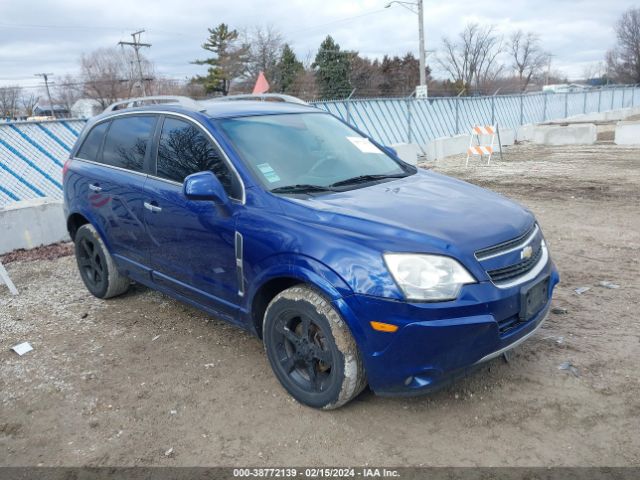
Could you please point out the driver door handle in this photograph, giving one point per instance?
(94, 187)
(152, 208)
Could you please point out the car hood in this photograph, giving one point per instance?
(453, 214)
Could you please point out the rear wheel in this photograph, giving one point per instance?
(97, 269)
(311, 349)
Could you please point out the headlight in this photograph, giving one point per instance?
(427, 277)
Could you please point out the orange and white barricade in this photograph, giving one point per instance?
(477, 133)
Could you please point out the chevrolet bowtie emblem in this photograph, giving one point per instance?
(526, 252)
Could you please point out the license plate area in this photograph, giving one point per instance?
(533, 298)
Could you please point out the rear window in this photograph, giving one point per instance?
(91, 145)
(127, 142)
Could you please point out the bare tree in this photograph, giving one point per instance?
(527, 56)
(473, 60)
(109, 74)
(623, 61)
(9, 100)
(67, 91)
(28, 103)
(595, 70)
(265, 47)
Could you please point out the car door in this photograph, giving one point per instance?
(193, 251)
(115, 186)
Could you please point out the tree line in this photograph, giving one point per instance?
(476, 61)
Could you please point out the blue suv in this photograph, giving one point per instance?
(353, 267)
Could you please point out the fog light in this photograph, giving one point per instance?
(383, 327)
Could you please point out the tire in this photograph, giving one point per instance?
(311, 350)
(97, 269)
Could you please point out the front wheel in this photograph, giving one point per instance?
(97, 268)
(311, 349)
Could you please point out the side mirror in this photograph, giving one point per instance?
(204, 186)
(391, 151)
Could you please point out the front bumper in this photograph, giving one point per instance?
(438, 342)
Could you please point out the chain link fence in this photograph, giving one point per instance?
(32, 153)
(413, 120)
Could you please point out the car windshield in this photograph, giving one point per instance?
(309, 153)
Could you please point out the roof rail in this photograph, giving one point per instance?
(156, 100)
(260, 97)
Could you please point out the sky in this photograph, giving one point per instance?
(49, 36)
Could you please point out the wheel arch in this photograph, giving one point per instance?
(78, 218)
(285, 271)
(74, 222)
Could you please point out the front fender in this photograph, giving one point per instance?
(300, 267)
(312, 272)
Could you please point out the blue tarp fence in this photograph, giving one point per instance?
(32, 153)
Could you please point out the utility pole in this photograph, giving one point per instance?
(423, 74)
(136, 47)
(46, 76)
(421, 91)
(546, 81)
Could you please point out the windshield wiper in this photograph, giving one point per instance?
(301, 188)
(364, 179)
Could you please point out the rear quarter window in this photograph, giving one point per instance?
(127, 142)
(91, 145)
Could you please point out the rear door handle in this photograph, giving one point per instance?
(94, 187)
(153, 208)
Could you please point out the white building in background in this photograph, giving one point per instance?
(86, 108)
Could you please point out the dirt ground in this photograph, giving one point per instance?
(121, 382)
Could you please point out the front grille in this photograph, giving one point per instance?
(505, 246)
(516, 270)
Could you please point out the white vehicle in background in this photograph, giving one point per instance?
(564, 88)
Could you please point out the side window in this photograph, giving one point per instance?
(91, 145)
(127, 141)
(184, 149)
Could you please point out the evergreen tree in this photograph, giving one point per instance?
(288, 69)
(332, 70)
(228, 63)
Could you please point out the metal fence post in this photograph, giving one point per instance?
(566, 105)
(599, 99)
(584, 103)
(493, 109)
(348, 105)
(409, 119)
(613, 96)
(624, 90)
(544, 108)
(633, 96)
(521, 109)
(457, 114)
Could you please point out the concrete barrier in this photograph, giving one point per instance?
(524, 133)
(608, 116)
(31, 223)
(627, 133)
(574, 134)
(447, 146)
(408, 152)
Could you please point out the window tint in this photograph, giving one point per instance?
(184, 149)
(91, 145)
(127, 141)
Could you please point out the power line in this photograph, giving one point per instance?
(313, 27)
(136, 47)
